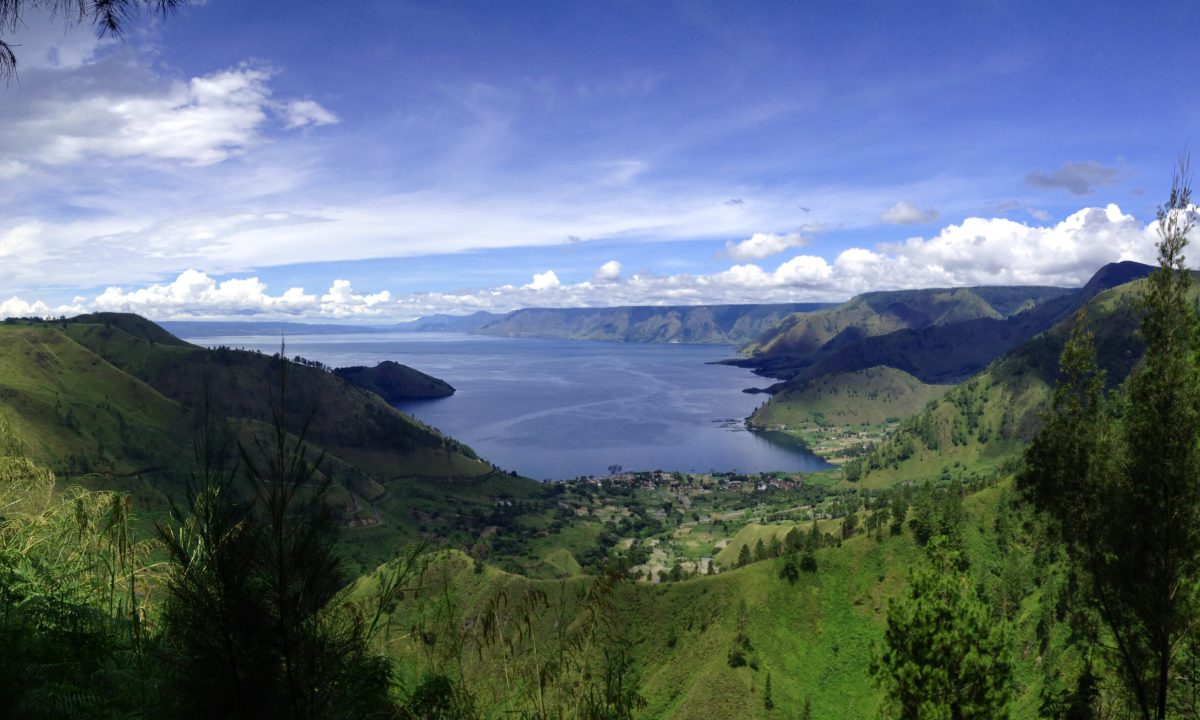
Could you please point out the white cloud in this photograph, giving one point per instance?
(106, 110)
(305, 113)
(607, 273)
(201, 122)
(195, 293)
(21, 240)
(44, 39)
(12, 169)
(761, 245)
(16, 307)
(543, 281)
(341, 301)
(906, 213)
(977, 251)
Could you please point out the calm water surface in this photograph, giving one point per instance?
(565, 408)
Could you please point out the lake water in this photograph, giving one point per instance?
(553, 409)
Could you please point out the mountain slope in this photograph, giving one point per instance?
(988, 420)
(111, 402)
(880, 313)
(944, 351)
(712, 324)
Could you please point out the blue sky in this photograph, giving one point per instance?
(298, 159)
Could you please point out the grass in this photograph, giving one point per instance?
(815, 637)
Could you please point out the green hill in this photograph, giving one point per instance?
(115, 402)
(989, 419)
(870, 372)
(872, 396)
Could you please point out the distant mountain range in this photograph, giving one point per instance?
(709, 324)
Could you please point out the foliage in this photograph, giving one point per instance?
(109, 17)
(255, 621)
(1119, 477)
(73, 585)
(943, 655)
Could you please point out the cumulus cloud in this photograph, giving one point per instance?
(195, 293)
(1078, 178)
(761, 245)
(977, 251)
(905, 213)
(341, 301)
(607, 273)
(16, 307)
(543, 281)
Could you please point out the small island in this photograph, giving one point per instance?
(395, 382)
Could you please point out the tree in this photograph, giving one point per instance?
(943, 655)
(790, 570)
(254, 616)
(849, 525)
(108, 17)
(743, 556)
(1119, 478)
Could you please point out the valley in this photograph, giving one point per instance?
(677, 591)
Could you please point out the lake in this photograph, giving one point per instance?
(556, 409)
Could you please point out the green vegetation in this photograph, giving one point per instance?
(1119, 480)
(189, 532)
(943, 654)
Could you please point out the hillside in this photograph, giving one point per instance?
(115, 399)
(712, 324)
(870, 396)
(704, 647)
(990, 418)
(880, 313)
(938, 336)
(944, 350)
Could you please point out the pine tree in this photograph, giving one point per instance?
(943, 654)
(1123, 492)
(743, 558)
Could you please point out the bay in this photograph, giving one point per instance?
(556, 409)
